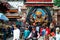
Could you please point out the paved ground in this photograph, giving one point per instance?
(12, 38)
(21, 39)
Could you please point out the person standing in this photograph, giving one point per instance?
(57, 33)
(30, 27)
(16, 33)
(34, 34)
(37, 28)
(4, 29)
(42, 33)
(52, 27)
(47, 31)
(26, 33)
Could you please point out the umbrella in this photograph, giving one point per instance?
(3, 17)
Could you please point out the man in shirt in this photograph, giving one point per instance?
(16, 33)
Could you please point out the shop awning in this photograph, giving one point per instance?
(3, 17)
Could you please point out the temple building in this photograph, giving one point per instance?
(42, 7)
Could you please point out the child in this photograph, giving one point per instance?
(26, 33)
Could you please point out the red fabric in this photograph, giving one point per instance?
(53, 34)
(48, 31)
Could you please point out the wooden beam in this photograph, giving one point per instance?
(13, 17)
(38, 2)
(35, 4)
(13, 10)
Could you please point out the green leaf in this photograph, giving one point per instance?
(57, 3)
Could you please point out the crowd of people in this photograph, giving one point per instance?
(35, 32)
(37, 29)
(31, 31)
